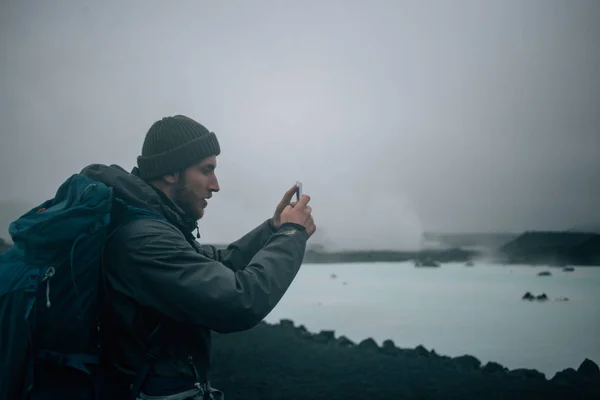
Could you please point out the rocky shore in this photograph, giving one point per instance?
(283, 361)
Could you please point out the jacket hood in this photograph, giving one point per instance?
(134, 191)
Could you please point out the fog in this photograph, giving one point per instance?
(399, 116)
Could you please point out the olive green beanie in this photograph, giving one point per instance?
(173, 144)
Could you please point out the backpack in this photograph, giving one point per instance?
(50, 293)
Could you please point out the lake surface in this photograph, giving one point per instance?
(455, 310)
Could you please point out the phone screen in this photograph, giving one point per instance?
(298, 190)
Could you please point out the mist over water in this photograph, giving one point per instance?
(376, 222)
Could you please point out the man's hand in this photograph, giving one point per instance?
(285, 201)
(301, 214)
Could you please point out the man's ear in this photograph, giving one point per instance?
(171, 179)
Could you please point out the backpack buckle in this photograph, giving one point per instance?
(205, 391)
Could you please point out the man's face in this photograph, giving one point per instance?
(196, 184)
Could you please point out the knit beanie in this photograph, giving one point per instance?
(173, 144)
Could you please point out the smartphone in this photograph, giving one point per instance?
(298, 190)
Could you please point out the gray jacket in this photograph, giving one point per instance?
(155, 271)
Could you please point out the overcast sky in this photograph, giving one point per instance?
(398, 116)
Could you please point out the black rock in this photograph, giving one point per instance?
(343, 341)
(528, 296)
(286, 323)
(320, 337)
(493, 367)
(388, 347)
(303, 332)
(526, 373)
(566, 376)
(329, 335)
(368, 344)
(268, 363)
(467, 362)
(421, 351)
(589, 369)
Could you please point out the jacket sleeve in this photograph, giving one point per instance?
(157, 267)
(239, 253)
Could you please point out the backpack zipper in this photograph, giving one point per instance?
(49, 274)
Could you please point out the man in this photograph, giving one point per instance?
(158, 275)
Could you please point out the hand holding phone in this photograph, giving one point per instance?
(301, 212)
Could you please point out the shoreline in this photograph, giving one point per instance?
(282, 360)
(431, 256)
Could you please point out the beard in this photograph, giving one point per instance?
(189, 200)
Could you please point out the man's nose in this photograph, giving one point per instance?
(214, 187)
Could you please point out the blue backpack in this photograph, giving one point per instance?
(50, 296)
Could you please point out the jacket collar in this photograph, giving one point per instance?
(173, 212)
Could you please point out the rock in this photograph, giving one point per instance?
(568, 269)
(526, 373)
(303, 332)
(286, 323)
(589, 369)
(268, 362)
(329, 335)
(493, 367)
(388, 347)
(388, 344)
(528, 296)
(562, 299)
(368, 344)
(467, 362)
(324, 337)
(566, 376)
(421, 351)
(545, 273)
(333, 276)
(343, 341)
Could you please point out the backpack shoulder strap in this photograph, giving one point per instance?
(154, 340)
(124, 214)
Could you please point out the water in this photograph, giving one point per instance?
(455, 310)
